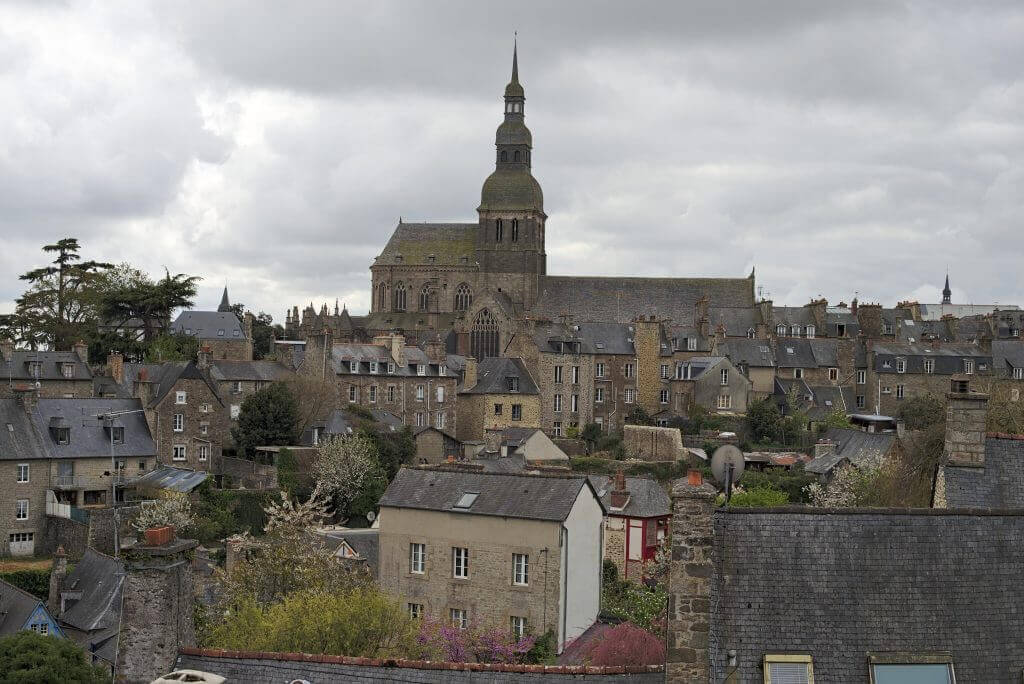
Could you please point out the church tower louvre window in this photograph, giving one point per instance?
(400, 297)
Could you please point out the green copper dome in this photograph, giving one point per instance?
(511, 190)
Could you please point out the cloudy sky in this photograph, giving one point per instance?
(838, 147)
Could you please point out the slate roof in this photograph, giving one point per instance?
(607, 338)
(699, 365)
(1007, 355)
(18, 368)
(99, 577)
(271, 668)
(826, 399)
(736, 320)
(855, 446)
(838, 584)
(491, 375)
(365, 542)
(265, 371)
(750, 353)
(16, 607)
(948, 357)
(20, 439)
(999, 484)
(533, 497)
(936, 311)
(795, 353)
(620, 300)
(414, 242)
(88, 436)
(647, 498)
(209, 325)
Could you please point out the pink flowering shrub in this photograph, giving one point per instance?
(442, 641)
(627, 644)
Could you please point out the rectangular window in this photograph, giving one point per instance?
(236, 410)
(968, 366)
(353, 367)
(798, 373)
(421, 392)
(512, 384)
(520, 569)
(391, 369)
(899, 391)
(22, 472)
(373, 394)
(558, 374)
(21, 510)
(1018, 373)
(67, 370)
(353, 393)
(929, 365)
(860, 401)
(419, 419)
(439, 420)
(179, 422)
(442, 370)
(459, 618)
(204, 428)
(391, 393)
(833, 374)
(724, 401)
(725, 376)
(599, 395)
(180, 397)
(117, 435)
(440, 394)
(574, 403)
(421, 369)
(862, 377)
(629, 370)
(204, 452)
(518, 625)
(663, 396)
(664, 371)
(556, 427)
(417, 558)
(178, 452)
(691, 344)
(517, 411)
(374, 367)
(498, 409)
(236, 387)
(206, 408)
(788, 669)
(460, 562)
(901, 365)
(558, 403)
(575, 375)
(897, 668)
(415, 610)
(599, 370)
(629, 396)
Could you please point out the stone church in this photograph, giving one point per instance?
(476, 283)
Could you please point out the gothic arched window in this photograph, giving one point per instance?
(499, 230)
(400, 297)
(483, 338)
(463, 297)
(515, 230)
(382, 297)
(425, 298)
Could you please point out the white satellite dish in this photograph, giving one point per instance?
(371, 516)
(727, 467)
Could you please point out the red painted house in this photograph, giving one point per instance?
(637, 522)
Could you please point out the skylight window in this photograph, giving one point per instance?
(466, 500)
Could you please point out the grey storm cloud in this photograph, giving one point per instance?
(838, 147)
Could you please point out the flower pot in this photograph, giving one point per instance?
(158, 536)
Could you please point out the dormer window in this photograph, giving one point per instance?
(398, 258)
(236, 333)
(35, 368)
(220, 332)
(901, 365)
(431, 259)
(780, 331)
(809, 330)
(421, 369)
(67, 370)
(353, 367)
(441, 370)
(750, 333)
(373, 367)
(512, 383)
(117, 436)
(62, 435)
(391, 369)
(794, 331)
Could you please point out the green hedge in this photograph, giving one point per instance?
(221, 513)
(35, 582)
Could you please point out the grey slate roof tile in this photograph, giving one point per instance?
(492, 373)
(50, 366)
(647, 498)
(209, 325)
(999, 484)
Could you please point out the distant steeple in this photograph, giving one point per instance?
(946, 292)
(225, 305)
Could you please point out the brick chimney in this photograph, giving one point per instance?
(620, 495)
(6, 350)
(82, 350)
(767, 314)
(115, 366)
(57, 574)
(690, 576)
(965, 424)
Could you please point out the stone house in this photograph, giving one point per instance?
(534, 446)
(839, 447)
(435, 446)
(497, 394)
(520, 552)
(896, 371)
(636, 523)
(57, 456)
(20, 610)
(417, 385)
(59, 373)
(220, 330)
(712, 382)
(236, 380)
(755, 359)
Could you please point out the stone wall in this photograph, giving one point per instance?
(249, 474)
(71, 534)
(652, 443)
(965, 428)
(101, 527)
(200, 427)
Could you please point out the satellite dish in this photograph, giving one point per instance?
(727, 467)
(371, 516)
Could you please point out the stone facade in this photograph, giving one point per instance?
(652, 443)
(965, 427)
(479, 414)
(157, 612)
(204, 423)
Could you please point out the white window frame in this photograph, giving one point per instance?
(374, 367)
(417, 558)
(391, 369)
(798, 373)
(1018, 373)
(968, 367)
(459, 617)
(901, 391)
(862, 377)
(691, 344)
(460, 562)
(724, 373)
(521, 569)
(599, 395)
(26, 467)
(810, 331)
(439, 422)
(236, 410)
(421, 392)
(419, 419)
(518, 626)
(901, 365)
(724, 401)
(629, 370)
(415, 610)
(629, 395)
(556, 427)
(373, 394)
(181, 398)
(574, 403)
(664, 371)
(774, 658)
(575, 375)
(204, 452)
(833, 374)
(179, 422)
(663, 396)
(175, 449)
(21, 508)
(353, 394)
(421, 369)
(557, 379)
(557, 403)
(929, 365)
(599, 369)
(439, 394)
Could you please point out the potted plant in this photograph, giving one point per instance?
(159, 520)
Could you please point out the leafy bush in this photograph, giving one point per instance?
(221, 513)
(627, 644)
(761, 497)
(792, 481)
(662, 471)
(172, 508)
(30, 658)
(441, 640)
(35, 582)
(631, 602)
(543, 651)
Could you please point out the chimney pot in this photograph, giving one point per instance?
(694, 478)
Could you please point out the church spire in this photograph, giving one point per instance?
(225, 305)
(947, 294)
(515, 60)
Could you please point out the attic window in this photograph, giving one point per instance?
(62, 435)
(789, 350)
(117, 435)
(788, 669)
(512, 383)
(889, 668)
(236, 333)
(466, 500)
(220, 332)
(599, 345)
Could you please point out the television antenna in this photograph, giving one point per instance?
(727, 467)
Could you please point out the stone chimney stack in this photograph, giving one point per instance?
(690, 575)
(434, 350)
(6, 350)
(248, 320)
(27, 397)
(203, 357)
(869, 319)
(115, 366)
(965, 424)
(620, 495)
(767, 314)
(853, 306)
(157, 613)
(318, 354)
(824, 447)
(469, 374)
(57, 575)
(82, 350)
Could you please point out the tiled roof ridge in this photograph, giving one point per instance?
(443, 468)
(1005, 435)
(811, 510)
(419, 664)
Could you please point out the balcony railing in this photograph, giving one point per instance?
(90, 481)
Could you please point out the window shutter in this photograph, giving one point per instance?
(788, 673)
